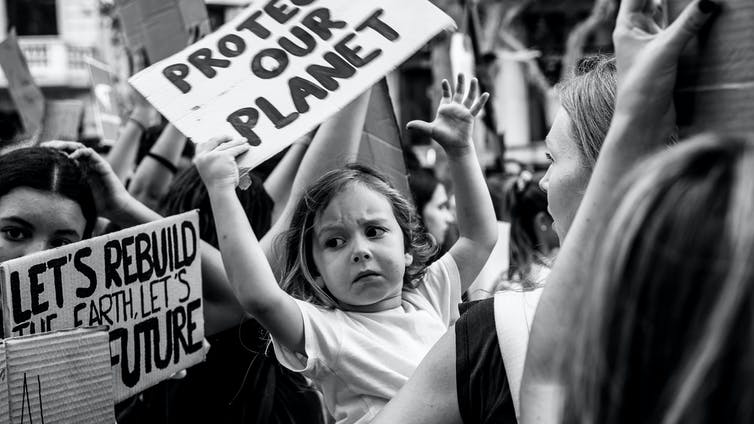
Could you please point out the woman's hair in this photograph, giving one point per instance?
(187, 192)
(525, 201)
(588, 98)
(299, 270)
(665, 329)
(49, 170)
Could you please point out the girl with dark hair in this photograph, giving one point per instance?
(432, 204)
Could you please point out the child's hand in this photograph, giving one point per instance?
(216, 162)
(455, 116)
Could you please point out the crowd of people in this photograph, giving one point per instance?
(614, 287)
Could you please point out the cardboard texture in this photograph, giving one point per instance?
(162, 27)
(143, 282)
(276, 71)
(4, 405)
(381, 144)
(715, 87)
(62, 120)
(107, 114)
(23, 90)
(60, 377)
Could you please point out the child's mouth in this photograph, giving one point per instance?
(365, 274)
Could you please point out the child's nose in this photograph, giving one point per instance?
(360, 251)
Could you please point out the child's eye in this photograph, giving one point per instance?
(334, 242)
(375, 232)
(14, 233)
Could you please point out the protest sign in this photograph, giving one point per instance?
(282, 67)
(62, 120)
(143, 282)
(106, 110)
(60, 377)
(715, 84)
(381, 139)
(4, 405)
(162, 27)
(25, 93)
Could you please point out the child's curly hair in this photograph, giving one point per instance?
(299, 271)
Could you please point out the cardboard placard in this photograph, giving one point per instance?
(106, 109)
(60, 377)
(715, 85)
(381, 139)
(277, 70)
(162, 27)
(25, 93)
(62, 120)
(143, 282)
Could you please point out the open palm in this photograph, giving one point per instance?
(452, 126)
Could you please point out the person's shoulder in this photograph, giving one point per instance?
(483, 307)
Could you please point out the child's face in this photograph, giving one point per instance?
(357, 247)
(33, 220)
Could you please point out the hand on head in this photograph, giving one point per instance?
(216, 161)
(455, 116)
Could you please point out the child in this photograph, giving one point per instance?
(361, 307)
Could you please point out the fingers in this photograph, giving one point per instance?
(632, 6)
(238, 150)
(460, 88)
(212, 143)
(420, 126)
(473, 92)
(690, 21)
(66, 146)
(446, 93)
(479, 104)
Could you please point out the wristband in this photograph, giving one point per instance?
(164, 162)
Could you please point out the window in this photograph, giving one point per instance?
(32, 17)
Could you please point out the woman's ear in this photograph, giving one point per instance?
(409, 259)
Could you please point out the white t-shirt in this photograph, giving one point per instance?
(361, 360)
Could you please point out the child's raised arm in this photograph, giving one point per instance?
(452, 129)
(248, 271)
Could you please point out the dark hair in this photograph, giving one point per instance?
(188, 192)
(49, 170)
(525, 200)
(299, 270)
(665, 329)
(422, 183)
(589, 100)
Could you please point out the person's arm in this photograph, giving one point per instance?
(335, 144)
(221, 308)
(647, 59)
(452, 129)
(153, 176)
(278, 184)
(122, 155)
(248, 270)
(430, 395)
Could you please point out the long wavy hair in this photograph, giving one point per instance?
(299, 270)
(665, 329)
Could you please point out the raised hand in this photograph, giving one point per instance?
(453, 124)
(216, 162)
(647, 56)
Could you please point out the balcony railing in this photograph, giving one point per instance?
(52, 62)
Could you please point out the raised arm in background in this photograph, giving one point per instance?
(153, 176)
